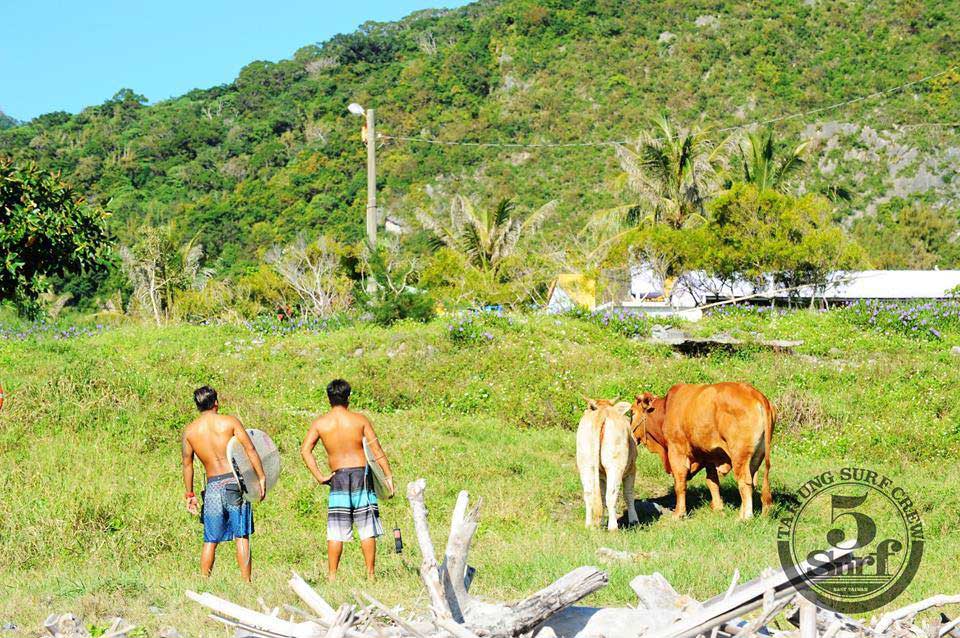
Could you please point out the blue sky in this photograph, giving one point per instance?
(63, 55)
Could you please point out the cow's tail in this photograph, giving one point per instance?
(765, 496)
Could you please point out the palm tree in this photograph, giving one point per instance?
(760, 165)
(485, 236)
(158, 266)
(673, 171)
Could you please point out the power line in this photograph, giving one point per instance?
(427, 140)
(774, 120)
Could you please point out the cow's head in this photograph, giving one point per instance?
(642, 407)
(596, 405)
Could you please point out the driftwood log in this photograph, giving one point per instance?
(660, 612)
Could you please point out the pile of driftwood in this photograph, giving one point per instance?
(660, 612)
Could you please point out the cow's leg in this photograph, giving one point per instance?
(713, 483)
(741, 471)
(598, 499)
(680, 466)
(613, 494)
(591, 496)
(628, 480)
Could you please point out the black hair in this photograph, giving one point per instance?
(205, 398)
(338, 391)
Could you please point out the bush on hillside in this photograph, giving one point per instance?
(388, 287)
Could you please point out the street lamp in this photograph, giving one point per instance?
(369, 136)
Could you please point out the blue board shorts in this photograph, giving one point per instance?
(225, 514)
(352, 503)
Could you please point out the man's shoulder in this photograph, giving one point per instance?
(322, 421)
(228, 419)
(359, 418)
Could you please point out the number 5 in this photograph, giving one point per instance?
(866, 528)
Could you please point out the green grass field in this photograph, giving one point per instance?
(91, 515)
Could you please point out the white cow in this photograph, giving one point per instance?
(606, 454)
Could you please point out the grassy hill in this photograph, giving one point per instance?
(91, 517)
(274, 152)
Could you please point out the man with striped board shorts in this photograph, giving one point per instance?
(353, 502)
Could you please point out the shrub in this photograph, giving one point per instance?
(272, 325)
(616, 320)
(389, 295)
(918, 319)
(408, 304)
(476, 326)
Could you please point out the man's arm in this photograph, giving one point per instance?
(378, 454)
(252, 454)
(306, 453)
(187, 454)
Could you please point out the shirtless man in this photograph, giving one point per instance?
(352, 499)
(225, 515)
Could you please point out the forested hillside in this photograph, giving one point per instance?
(6, 121)
(275, 153)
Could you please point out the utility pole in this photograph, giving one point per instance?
(371, 135)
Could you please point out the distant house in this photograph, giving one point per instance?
(572, 290)
(698, 288)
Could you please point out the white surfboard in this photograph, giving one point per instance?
(243, 469)
(379, 476)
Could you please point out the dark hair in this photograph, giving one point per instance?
(338, 392)
(205, 398)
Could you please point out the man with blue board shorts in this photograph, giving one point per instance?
(353, 502)
(226, 516)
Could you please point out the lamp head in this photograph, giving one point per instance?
(356, 109)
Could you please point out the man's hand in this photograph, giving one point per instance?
(393, 490)
(325, 480)
(263, 489)
(193, 507)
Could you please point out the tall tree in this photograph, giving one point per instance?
(762, 166)
(673, 171)
(487, 236)
(157, 266)
(45, 229)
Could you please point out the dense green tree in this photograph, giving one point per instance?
(46, 229)
(753, 234)
(758, 237)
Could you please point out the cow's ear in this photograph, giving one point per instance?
(622, 408)
(646, 401)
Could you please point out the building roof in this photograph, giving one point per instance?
(694, 287)
(893, 284)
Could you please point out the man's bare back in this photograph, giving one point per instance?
(209, 435)
(342, 432)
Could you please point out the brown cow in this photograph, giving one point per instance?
(714, 426)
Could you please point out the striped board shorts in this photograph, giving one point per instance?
(352, 503)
